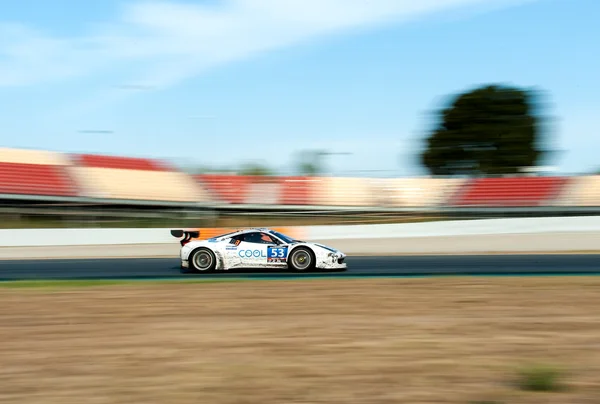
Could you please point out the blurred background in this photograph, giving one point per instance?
(241, 113)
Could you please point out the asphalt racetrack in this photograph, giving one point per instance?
(160, 268)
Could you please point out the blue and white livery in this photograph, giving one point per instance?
(254, 248)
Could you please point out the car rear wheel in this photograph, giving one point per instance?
(203, 260)
(302, 259)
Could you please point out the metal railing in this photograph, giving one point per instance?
(44, 214)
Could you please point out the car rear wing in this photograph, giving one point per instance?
(186, 234)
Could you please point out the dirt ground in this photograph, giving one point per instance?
(454, 340)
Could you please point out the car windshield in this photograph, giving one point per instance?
(285, 238)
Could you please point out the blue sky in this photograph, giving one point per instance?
(223, 82)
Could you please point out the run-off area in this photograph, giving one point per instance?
(451, 340)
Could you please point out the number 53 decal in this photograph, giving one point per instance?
(277, 253)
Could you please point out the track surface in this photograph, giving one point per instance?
(153, 268)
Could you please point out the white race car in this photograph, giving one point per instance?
(254, 248)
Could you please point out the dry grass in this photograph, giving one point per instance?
(328, 341)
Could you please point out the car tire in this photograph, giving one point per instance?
(202, 260)
(302, 259)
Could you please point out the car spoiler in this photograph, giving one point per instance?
(186, 234)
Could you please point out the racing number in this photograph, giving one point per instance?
(277, 253)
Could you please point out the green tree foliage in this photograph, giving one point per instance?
(254, 169)
(310, 162)
(197, 170)
(490, 130)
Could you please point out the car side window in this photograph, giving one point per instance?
(267, 238)
(258, 238)
(235, 240)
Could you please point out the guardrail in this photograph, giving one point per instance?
(97, 236)
(458, 228)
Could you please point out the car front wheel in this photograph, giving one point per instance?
(302, 259)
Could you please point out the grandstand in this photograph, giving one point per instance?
(258, 190)
(509, 192)
(34, 172)
(423, 192)
(134, 179)
(99, 183)
(581, 191)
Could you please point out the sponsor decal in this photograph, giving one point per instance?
(277, 254)
(251, 254)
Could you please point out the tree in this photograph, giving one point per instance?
(202, 169)
(489, 130)
(254, 169)
(310, 162)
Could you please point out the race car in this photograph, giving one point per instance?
(254, 248)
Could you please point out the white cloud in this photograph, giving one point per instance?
(165, 42)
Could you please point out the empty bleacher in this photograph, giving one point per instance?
(581, 191)
(139, 179)
(422, 192)
(43, 173)
(509, 192)
(225, 188)
(259, 190)
(342, 191)
(297, 190)
(263, 190)
(35, 172)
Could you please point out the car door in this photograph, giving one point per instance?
(253, 249)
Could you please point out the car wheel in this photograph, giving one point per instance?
(302, 259)
(203, 260)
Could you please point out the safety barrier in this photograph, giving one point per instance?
(81, 237)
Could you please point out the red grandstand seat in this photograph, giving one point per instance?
(126, 163)
(228, 188)
(513, 191)
(296, 190)
(35, 179)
